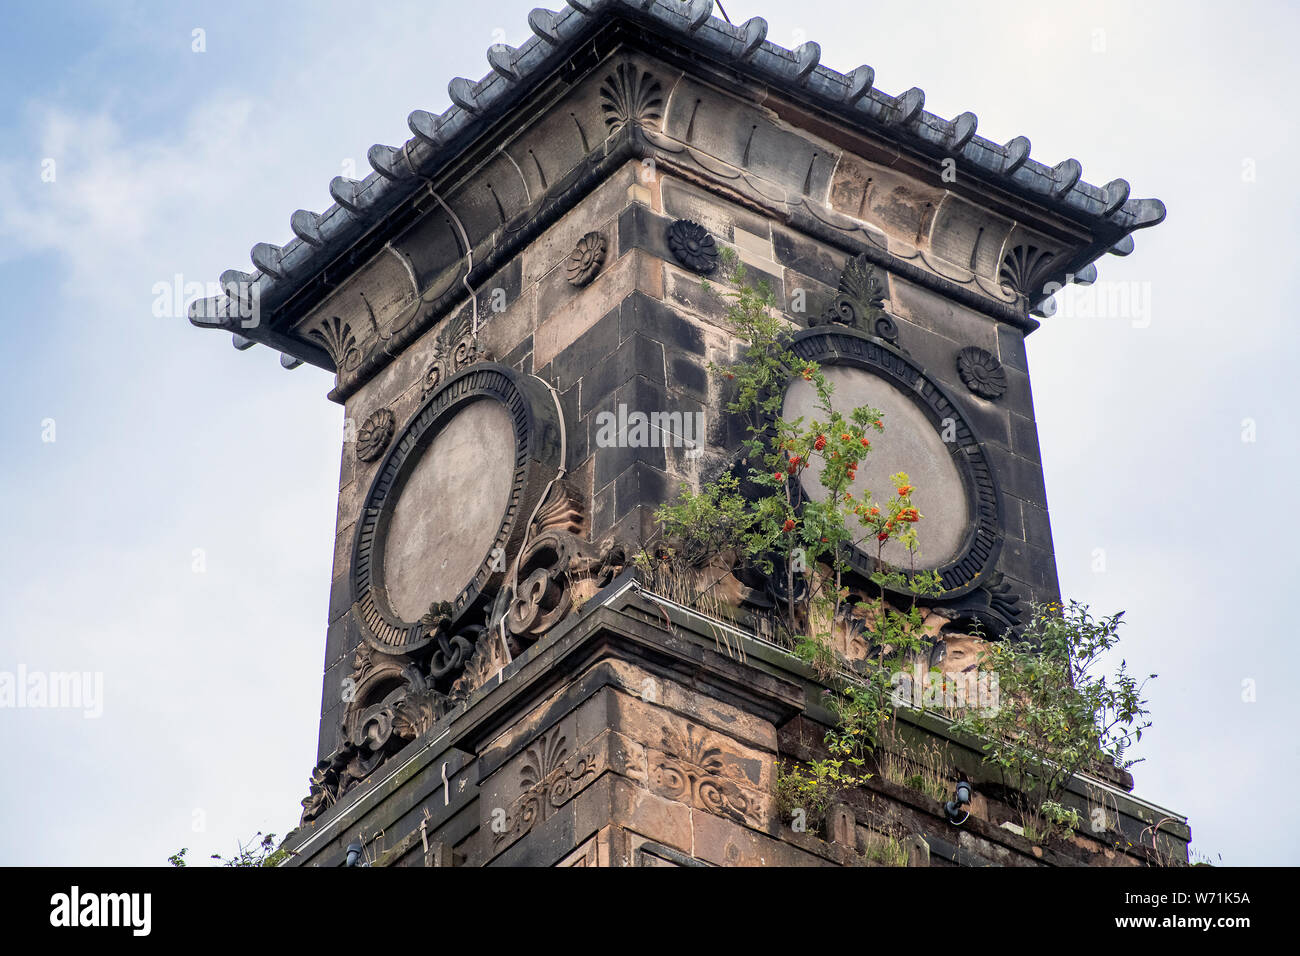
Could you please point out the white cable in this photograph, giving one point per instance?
(469, 257)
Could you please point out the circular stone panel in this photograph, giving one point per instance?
(909, 443)
(449, 509)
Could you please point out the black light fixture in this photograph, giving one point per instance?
(960, 798)
(354, 854)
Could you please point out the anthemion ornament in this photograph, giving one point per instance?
(859, 303)
(693, 246)
(630, 95)
(587, 259)
(375, 434)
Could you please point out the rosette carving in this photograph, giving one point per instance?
(375, 434)
(587, 259)
(693, 246)
(981, 372)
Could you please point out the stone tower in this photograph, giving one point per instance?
(514, 305)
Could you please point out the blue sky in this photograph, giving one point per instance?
(173, 451)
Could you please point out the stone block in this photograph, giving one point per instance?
(657, 321)
(1037, 526)
(564, 313)
(929, 310)
(640, 486)
(723, 842)
(636, 356)
(635, 808)
(1024, 437)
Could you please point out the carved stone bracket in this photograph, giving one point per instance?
(558, 568)
(391, 703)
(556, 572)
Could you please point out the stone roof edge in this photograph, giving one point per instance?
(400, 172)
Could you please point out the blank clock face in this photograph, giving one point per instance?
(909, 443)
(449, 509)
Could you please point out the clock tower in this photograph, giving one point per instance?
(517, 307)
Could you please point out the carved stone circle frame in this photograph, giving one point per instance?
(982, 542)
(537, 452)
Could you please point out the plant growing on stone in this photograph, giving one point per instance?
(765, 520)
(769, 523)
(919, 768)
(802, 796)
(1058, 716)
(1059, 818)
(885, 848)
(261, 850)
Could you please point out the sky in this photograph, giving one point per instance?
(168, 502)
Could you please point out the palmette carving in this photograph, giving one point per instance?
(337, 337)
(694, 769)
(550, 778)
(631, 95)
(454, 348)
(1024, 270)
(859, 302)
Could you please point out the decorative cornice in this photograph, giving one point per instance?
(285, 276)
